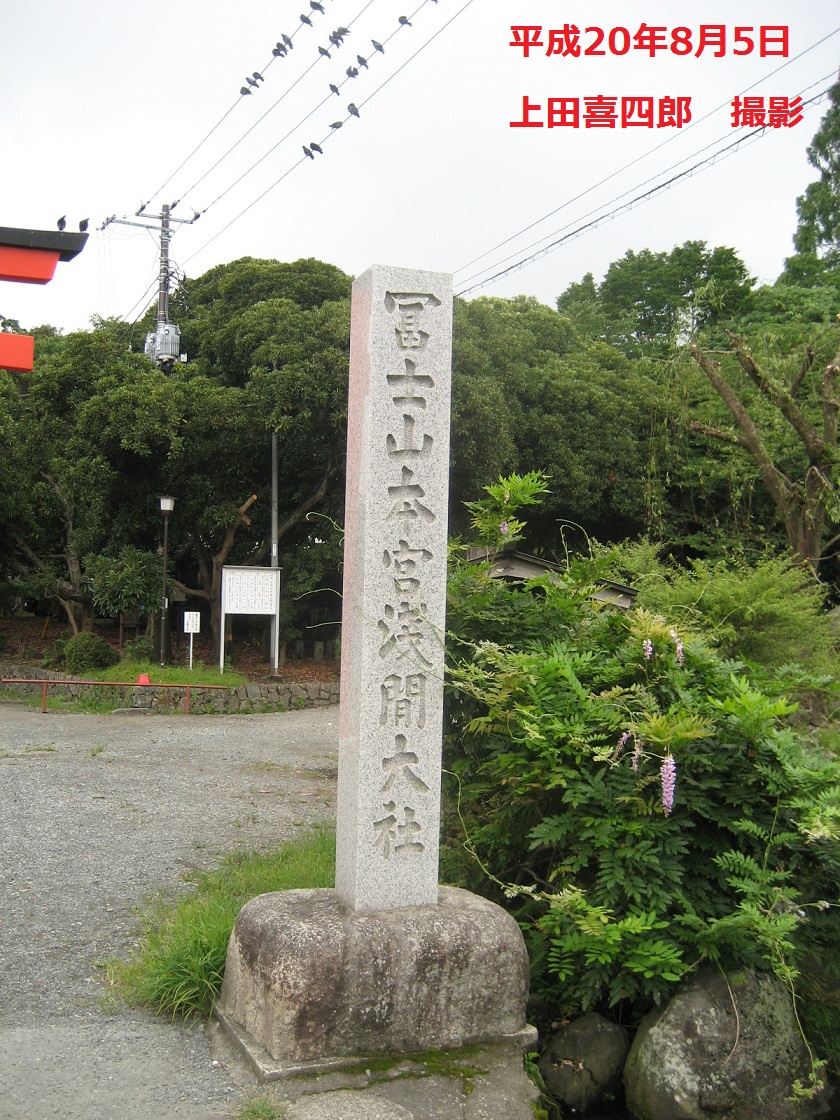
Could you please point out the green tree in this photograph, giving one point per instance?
(529, 392)
(648, 301)
(818, 231)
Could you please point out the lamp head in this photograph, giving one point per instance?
(167, 505)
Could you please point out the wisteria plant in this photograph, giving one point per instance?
(641, 802)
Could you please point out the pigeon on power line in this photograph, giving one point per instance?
(351, 108)
(62, 222)
(334, 89)
(323, 51)
(378, 46)
(316, 148)
(336, 124)
(362, 61)
(404, 20)
(245, 90)
(342, 31)
(306, 19)
(352, 72)
(83, 225)
(279, 51)
(334, 39)
(258, 76)
(307, 152)
(253, 83)
(287, 41)
(316, 7)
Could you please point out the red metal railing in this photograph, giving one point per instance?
(108, 684)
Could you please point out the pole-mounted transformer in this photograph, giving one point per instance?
(163, 344)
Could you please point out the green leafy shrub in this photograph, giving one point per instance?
(139, 649)
(770, 612)
(86, 652)
(563, 744)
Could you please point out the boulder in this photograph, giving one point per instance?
(582, 1063)
(724, 1047)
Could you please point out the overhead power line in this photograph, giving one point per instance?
(328, 136)
(643, 156)
(645, 196)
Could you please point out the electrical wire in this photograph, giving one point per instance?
(730, 149)
(218, 123)
(259, 120)
(326, 138)
(302, 120)
(644, 155)
(617, 198)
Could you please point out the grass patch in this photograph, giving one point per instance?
(170, 674)
(177, 968)
(259, 1107)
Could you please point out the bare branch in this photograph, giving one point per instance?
(718, 433)
(750, 437)
(780, 398)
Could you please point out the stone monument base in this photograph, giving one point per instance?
(311, 984)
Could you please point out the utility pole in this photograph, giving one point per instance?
(163, 345)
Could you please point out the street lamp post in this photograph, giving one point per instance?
(166, 507)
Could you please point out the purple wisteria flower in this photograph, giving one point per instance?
(679, 645)
(668, 777)
(647, 646)
(620, 745)
(637, 754)
(504, 528)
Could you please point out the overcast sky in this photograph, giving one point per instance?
(102, 101)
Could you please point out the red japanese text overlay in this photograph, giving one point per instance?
(766, 112)
(600, 111)
(711, 39)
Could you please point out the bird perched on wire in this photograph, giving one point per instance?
(352, 110)
(316, 7)
(245, 90)
(404, 20)
(62, 222)
(253, 83)
(378, 46)
(306, 19)
(287, 41)
(336, 124)
(323, 51)
(316, 148)
(279, 51)
(258, 76)
(362, 61)
(307, 152)
(352, 72)
(83, 225)
(334, 89)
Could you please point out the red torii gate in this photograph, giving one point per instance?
(29, 256)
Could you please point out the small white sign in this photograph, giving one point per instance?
(192, 622)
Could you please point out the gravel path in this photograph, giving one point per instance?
(96, 814)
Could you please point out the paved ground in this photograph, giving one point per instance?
(96, 814)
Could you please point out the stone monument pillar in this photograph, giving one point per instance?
(394, 589)
(388, 963)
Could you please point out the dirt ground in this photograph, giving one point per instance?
(31, 639)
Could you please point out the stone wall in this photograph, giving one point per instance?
(274, 696)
